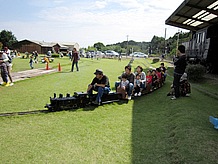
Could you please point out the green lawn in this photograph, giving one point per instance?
(20, 64)
(149, 129)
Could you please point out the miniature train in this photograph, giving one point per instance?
(78, 100)
(81, 100)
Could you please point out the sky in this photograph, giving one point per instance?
(87, 21)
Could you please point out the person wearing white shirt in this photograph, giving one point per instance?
(3, 66)
(9, 64)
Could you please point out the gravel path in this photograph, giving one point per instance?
(22, 75)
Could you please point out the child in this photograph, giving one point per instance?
(31, 62)
(185, 87)
(149, 80)
(123, 86)
(154, 79)
(137, 84)
(159, 77)
(163, 71)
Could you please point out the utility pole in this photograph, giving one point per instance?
(177, 44)
(127, 52)
(165, 51)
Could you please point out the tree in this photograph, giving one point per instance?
(1, 45)
(99, 46)
(157, 44)
(7, 38)
(90, 48)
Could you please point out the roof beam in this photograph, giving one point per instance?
(184, 16)
(192, 28)
(215, 12)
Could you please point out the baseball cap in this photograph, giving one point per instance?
(98, 71)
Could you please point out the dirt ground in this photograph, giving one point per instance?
(17, 76)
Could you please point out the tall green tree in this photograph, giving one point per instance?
(91, 48)
(99, 46)
(1, 45)
(7, 38)
(157, 44)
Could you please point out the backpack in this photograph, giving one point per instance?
(185, 88)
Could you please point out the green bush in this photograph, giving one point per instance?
(195, 72)
(55, 55)
(155, 60)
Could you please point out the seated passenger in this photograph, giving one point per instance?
(137, 85)
(163, 71)
(130, 78)
(139, 70)
(159, 77)
(149, 80)
(99, 84)
(124, 84)
(154, 79)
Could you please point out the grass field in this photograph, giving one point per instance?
(149, 129)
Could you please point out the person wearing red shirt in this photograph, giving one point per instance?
(149, 80)
(158, 73)
(154, 79)
(159, 76)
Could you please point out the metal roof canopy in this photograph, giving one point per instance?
(195, 14)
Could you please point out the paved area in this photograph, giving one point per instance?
(22, 75)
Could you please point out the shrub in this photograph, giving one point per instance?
(55, 55)
(195, 72)
(155, 60)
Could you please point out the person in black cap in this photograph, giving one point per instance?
(99, 84)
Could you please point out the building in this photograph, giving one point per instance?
(43, 47)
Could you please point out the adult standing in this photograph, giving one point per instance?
(130, 78)
(4, 72)
(36, 56)
(74, 59)
(180, 66)
(9, 64)
(99, 84)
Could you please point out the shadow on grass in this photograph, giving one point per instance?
(92, 107)
(166, 131)
(65, 72)
(148, 129)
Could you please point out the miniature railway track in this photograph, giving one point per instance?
(204, 91)
(23, 113)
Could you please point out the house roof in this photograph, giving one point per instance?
(195, 14)
(51, 44)
(43, 44)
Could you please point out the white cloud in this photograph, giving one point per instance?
(88, 23)
(130, 4)
(100, 4)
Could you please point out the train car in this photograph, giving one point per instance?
(81, 99)
(203, 48)
(78, 100)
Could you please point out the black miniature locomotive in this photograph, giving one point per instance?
(78, 100)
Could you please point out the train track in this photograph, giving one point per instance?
(23, 113)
